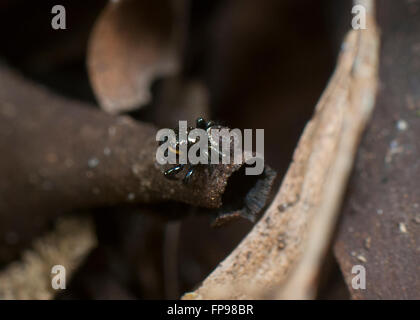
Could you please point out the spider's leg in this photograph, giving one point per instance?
(189, 173)
(173, 171)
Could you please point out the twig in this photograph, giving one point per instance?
(64, 155)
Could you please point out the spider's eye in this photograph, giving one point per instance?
(200, 123)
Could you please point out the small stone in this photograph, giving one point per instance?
(403, 228)
(107, 151)
(367, 242)
(361, 258)
(282, 207)
(417, 218)
(131, 196)
(281, 242)
(379, 211)
(93, 162)
(402, 125)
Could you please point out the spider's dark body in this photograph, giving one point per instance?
(200, 124)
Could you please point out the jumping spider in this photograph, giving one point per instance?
(200, 124)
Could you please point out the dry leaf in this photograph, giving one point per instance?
(132, 43)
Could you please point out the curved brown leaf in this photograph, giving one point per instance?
(131, 44)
